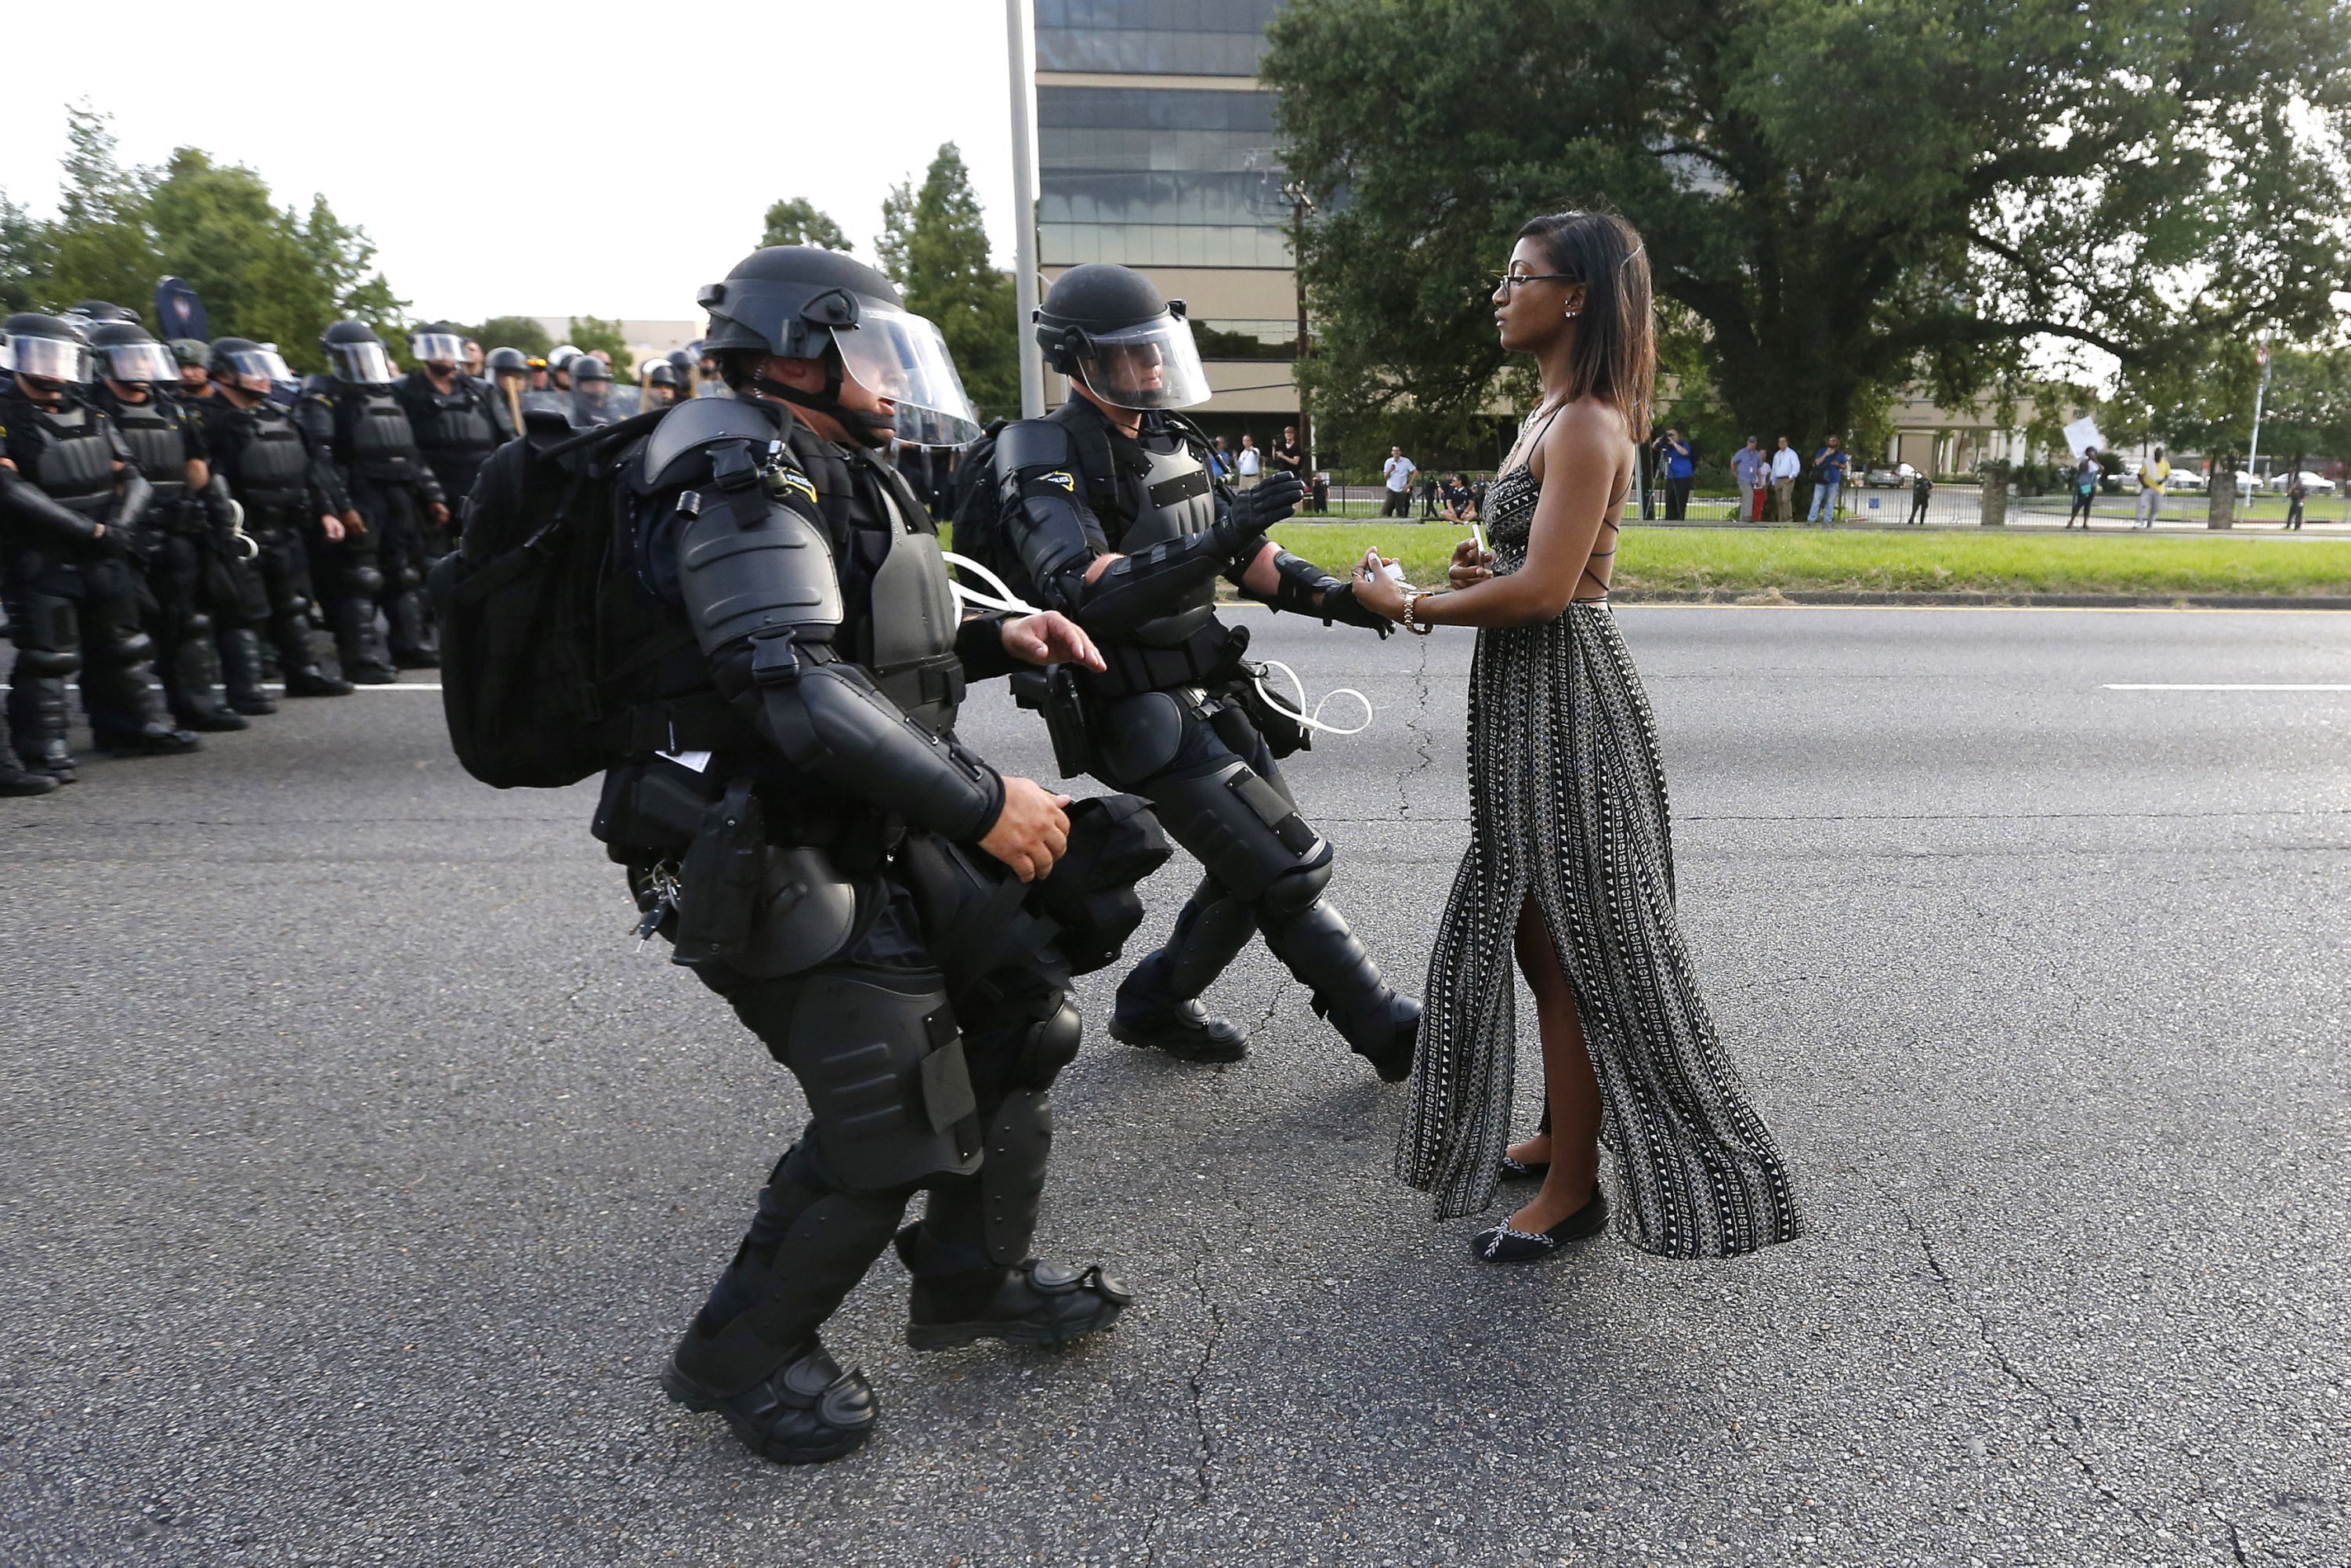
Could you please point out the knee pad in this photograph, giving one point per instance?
(195, 623)
(1050, 1047)
(1243, 828)
(365, 581)
(882, 1063)
(408, 579)
(136, 648)
(1295, 890)
(48, 662)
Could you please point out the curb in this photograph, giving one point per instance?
(1969, 599)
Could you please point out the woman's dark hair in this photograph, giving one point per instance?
(1615, 356)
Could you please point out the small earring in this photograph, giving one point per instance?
(1571, 316)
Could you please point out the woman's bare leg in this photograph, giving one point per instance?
(1570, 1087)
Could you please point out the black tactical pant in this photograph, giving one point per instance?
(347, 579)
(72, 617)
(183, 580)
(397, 518)
(275, 595)
(926, 1047)
(1213, 784)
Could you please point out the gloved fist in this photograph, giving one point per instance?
(1254, 511)
(1341, 605)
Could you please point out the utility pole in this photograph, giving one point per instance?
(1301, 204)
(2261, 395)
(1024, 209)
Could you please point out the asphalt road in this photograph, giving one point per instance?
(360, 1169)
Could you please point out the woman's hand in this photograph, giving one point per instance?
(1375, 589)
(1468, 566)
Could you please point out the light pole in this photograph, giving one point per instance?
(2261, 394)
(1301, 204)
(1024, 210)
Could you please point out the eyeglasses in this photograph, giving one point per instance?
(1496, 280)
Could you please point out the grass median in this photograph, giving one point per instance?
(1748, 560)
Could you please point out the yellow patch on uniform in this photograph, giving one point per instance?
(1058, 477)
(793, 479)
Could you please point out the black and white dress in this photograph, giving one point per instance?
(1568, 806)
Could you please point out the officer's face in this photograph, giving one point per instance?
(1133, 368)
(196, 378)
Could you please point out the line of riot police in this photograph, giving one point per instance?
(190, 514)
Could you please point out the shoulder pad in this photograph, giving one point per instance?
(689, 426)
(318, 386)
(1032, 444)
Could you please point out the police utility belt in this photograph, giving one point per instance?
(1071, 699)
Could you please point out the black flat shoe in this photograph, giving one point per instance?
(1522, 1170)
(1504, 1245)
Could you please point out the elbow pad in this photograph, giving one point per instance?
(1037, 491)
(1134, 589)
(29, 503)
(828, 718)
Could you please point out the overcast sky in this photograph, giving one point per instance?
(480, 144)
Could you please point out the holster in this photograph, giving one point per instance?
(765, 910)
(720, 878)
(1067, 722)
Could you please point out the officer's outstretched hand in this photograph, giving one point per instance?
(1031, 831)
(1254, 511)
(1051, 638)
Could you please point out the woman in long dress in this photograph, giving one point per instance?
(1569, 866)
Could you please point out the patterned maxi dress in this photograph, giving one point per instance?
(1567, 799)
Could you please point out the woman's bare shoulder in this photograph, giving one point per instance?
(1586, 432)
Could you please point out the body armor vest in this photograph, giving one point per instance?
(452, 425)
(76, 464)
(886, 552)
(373, 433)
(272, 471)
(159, 446)
(1173, 499)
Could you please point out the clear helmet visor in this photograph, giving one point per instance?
(49, 359)
(363, 362)
(263, 365)
(1152, 364)
(139, 362)
(903, 357)
(437, 348)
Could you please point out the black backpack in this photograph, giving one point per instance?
(978, 518)
(521, 658)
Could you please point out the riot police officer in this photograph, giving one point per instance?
(593, 402)
(453, 414)
(72, 505)
(184, 521)
(661, 388)
(510, 376)
(352, 414)
(285, 486)
(868, 895)
(1111, 514)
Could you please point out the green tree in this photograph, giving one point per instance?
(217, 228)
(103, 249)
(795, 220)
(1846, 194)
(933, 246)
(522, 333)
(591, 332)
(29, 258)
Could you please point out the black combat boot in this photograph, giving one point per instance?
(240, 656)
(1147, 1016)
(803, 1411)
(1035, 1302)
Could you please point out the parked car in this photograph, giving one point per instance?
(1883, 478)
(2188, 482)
(2311, 484)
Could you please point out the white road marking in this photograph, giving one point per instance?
(2244, 687)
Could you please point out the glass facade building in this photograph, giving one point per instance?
(1155, 148)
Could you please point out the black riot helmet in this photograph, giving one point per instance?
(1107, 326)
(438, 344)
(508, 360)
(588, 368)
(46, 351)
(96, 310)
(804, 302)
(191, 350)
(248, 366)
(126, 351)
(661, 373)
(356, 353)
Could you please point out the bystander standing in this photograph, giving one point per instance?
(1249, 463)
(1397, 473)
(1829, 465)
(1288, 457)
(1754, 472)
(2087, 474)
(1785, 467)
(2152, 474)
(1680, 465)
(1921, 487)
(2296, 494)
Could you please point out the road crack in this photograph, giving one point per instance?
(2068, 1419)
(1196, 1384)
(1417, 730)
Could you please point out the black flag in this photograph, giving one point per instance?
(178, 312)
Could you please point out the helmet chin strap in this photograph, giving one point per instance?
(867, 427)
